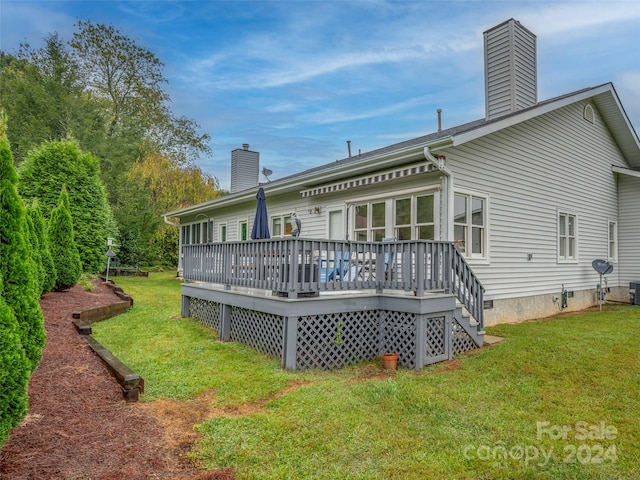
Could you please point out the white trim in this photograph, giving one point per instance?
(576, 258)
(625, 171)
(614, 258)
(389, 199)
(475, 259)
(515, 119)
(328, 211)
(398, 193)
(283, 224)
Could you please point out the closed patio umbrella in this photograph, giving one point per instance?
(260, 228)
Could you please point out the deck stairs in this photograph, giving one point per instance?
(469, 324)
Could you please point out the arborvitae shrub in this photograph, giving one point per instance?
(48, 280)
(21, 289)
(62, 244)
(14, 373)
(42, 175)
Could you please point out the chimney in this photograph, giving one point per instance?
(439, 119)
(245, 166)
(510, 69)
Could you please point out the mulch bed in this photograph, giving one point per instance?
(79, 426)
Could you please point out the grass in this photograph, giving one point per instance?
(557, 399)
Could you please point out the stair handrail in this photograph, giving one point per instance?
(466, 286)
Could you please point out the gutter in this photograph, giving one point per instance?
(441, 164)
(169, 222)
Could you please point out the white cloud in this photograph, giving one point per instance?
(628, 87)
(565, 18)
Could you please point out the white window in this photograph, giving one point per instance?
(205, 232)
(195, 233)
(613, 241)
(223, 232)
(186, 234)
(470, 225)
(567, 236)
(281, 226)
(370, 221)
(409, 217)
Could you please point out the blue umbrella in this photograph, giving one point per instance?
(261, 222)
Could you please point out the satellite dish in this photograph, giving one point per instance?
(266, 172)
(603, 267)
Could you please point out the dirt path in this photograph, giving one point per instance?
(78, 426)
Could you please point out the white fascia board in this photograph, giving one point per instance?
(528, 115)
(625, 171)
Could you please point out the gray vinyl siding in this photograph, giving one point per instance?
(629, 230)
(510, 69)
(556, 162)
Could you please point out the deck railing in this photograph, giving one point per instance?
(304, 267)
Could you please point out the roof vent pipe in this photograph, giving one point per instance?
(349, 147)
(439, 119)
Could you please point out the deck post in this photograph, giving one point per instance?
(420, 267)
(290, 342)
(225, 322)
(448, 341)
(185, 311)
(421, 343)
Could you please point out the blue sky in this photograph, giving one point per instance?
(297, 79)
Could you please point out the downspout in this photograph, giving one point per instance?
(169, 222)
(180, 271)
(440, 164)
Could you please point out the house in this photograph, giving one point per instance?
(527, 198)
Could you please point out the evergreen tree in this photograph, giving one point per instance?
(33, 244)
(21, 288)
(14, 372)
(54, 164)
(48, 267)
(62, 244)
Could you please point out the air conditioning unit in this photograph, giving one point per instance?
(634, 291)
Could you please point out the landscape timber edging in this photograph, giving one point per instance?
(132, 384)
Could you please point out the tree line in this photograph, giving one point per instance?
(88, 150)
(105, 94)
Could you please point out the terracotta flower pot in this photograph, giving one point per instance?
(390, 361)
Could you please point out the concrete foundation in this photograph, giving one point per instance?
(513, 310)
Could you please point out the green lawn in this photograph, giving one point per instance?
(557, 399)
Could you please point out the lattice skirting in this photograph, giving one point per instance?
(262, 331)
(206, 312)
(460, 340)
(399, 334)
(334, 340)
